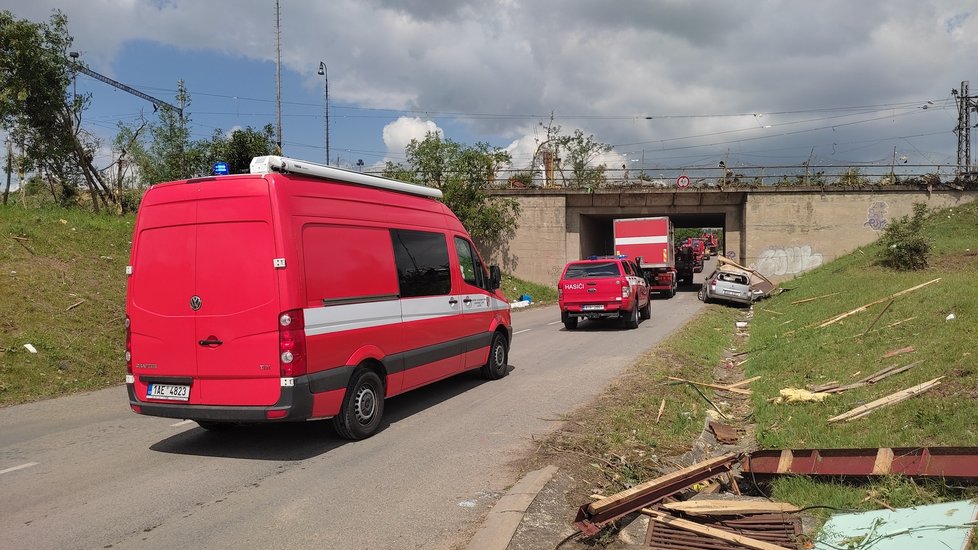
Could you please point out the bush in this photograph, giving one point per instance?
(904, 245)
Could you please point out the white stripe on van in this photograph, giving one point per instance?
(337, 318)
(660, 239)
(325, 320)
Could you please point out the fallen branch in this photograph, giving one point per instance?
(891, 399)
(876, 320)
(20, 241)
(74, 305)
(661, 407)
(714, 386)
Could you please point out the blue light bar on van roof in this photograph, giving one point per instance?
(272, 163)
(616, 257)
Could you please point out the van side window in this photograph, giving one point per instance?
(473, 271)
(422, 263)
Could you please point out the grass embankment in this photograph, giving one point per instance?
(63, 286)
(618, 441)
(63, 292)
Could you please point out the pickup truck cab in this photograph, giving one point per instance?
(609, 287)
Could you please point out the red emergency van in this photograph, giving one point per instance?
(303, 291)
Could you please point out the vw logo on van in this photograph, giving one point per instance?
(195, 303)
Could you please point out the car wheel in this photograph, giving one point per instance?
(647, 310)
(632, 320)
(363, 406)
(496, 366)
(570, 323)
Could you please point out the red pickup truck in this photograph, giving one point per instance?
(602, 288)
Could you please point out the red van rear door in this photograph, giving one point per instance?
(236, 334)
(160, 288)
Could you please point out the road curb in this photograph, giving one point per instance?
(504, 518)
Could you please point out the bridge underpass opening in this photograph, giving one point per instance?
(598, 236)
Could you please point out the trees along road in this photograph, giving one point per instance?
(85, 472)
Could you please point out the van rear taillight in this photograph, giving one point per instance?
(291, 343)
(128, 346)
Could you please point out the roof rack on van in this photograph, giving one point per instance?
(272, 163)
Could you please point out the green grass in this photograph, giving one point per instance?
(513, 288)
(51, 259)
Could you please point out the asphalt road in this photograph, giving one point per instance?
(85, 472)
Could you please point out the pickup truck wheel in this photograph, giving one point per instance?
(632, 320)
(570, 323)
(496, 366)
(363, 406)
(646, 311)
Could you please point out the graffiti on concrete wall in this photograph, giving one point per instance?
(876, 216)
(788, 260)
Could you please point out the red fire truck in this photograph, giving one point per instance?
(649, 241)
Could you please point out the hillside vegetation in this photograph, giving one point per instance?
(63, 286)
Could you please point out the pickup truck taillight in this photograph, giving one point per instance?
(625, 290)
(560, 291)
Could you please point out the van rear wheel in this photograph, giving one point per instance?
(363, 406)
(497, 366)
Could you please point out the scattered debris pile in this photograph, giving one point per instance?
(702, 522)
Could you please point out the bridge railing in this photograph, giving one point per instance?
(749, 177)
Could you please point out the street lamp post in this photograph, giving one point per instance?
(323, 73)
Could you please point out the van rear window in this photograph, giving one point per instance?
(422, 263)
(592, 270)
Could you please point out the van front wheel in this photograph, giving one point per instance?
(363, 406)
(497, 366)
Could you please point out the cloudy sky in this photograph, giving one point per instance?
(671, 83)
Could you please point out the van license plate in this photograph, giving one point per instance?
(596, 307)
(168, 391)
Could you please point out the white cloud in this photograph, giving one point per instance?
(602, 68)
(398, 134)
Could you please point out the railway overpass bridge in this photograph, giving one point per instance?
(780, 231)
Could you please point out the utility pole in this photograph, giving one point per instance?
(966, 103)
(278, 77)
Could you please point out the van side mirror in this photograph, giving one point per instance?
(495, 277)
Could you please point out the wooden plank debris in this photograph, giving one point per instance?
(837, 387)
(743, 383)
(901, 351)
(74, 305)
(806, 300)
(699, 507)
(691, 526)
(662, 406)
(591, 517)
(859, 309)
(876, 320)
(891, 399)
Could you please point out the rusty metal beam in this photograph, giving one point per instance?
(942, 462)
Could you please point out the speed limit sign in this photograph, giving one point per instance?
(682, 181)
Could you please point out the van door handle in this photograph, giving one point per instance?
(453, 302)
(211, 341)
(467, 300)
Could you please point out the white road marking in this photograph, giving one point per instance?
(15, 468)
(181, 423)
(522, 331)
(554, 323)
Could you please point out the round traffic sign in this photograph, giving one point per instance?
(682, 181)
